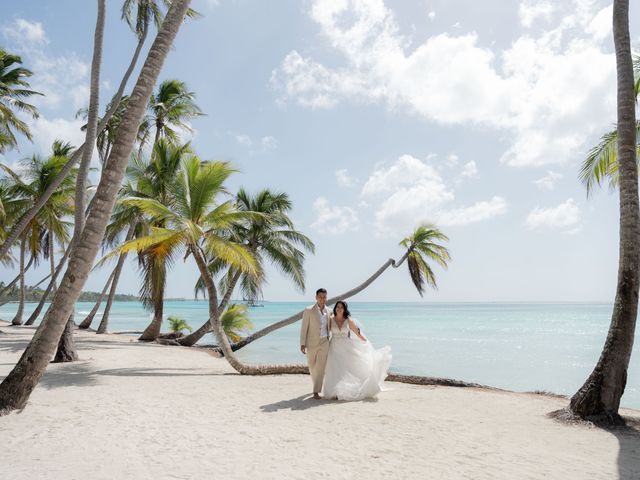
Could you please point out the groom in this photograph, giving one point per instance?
(314, 339)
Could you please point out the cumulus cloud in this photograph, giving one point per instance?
(528, 89)
(22, 30)
(548, 182)
(565, 216)
(344, 179)
(409, 191)
(268, 143)
(333, 219)
(470, 169)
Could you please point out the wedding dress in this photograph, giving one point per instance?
(354, 370)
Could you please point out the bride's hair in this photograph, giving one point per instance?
(347, 313)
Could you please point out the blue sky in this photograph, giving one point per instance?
(375, 116)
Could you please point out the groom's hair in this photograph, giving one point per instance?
(320, 290)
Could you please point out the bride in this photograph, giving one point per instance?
(355, 370)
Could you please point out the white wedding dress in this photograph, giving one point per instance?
(354, 370)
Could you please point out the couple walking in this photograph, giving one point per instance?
(339, 355)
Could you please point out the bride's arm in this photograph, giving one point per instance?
(354, 328)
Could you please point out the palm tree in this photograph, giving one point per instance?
(170, 109)
(271, 236)
(421, 246)
(14, 90)
(145, 12)
(18, 385)
(49, 226)
(235, 320)
(178, 324)
(601, 163)
(600, 395)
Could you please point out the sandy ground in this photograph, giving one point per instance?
(131, 410)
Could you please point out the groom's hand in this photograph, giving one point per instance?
(303, 349)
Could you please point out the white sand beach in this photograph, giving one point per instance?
(132, 410)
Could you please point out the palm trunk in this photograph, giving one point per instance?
(102, 328)
(221, 336)
(15, 280)
(66, 347)
(297, 316)
(599, 397)
(194, 337)
(18, 385)
(47, 291)
(17, 320)
(86, 323)
(152, 331)
(24, 221)
(52, 264)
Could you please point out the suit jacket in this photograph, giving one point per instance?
(311, 321)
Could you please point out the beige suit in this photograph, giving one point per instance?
(317, 346)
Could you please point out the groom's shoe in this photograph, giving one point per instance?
(317, 396)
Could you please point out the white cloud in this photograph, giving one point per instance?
(531, 10)
(45, 131)
(470, 169)
(344, 179)
(549, 181)
(478, 212)
(243, 139)
(410, 191)
(452, 160)
(268, 143)
(565, 216)
(431, 15)
(22, 31)
(528, 90)
(333, 219)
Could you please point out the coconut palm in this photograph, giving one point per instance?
(49, 226)
(14, 90)
(600, 395)
(170, 110)
(177, 324)
(235, 320)
(601, 164)
(272, 237)
(422, 246)
(18, 385)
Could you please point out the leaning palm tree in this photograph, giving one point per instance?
(14, 90)
(601, 164)
(422, 246)
(600, 395)
(18, 385)
(271, 236)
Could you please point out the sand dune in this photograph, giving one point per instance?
(131, 410)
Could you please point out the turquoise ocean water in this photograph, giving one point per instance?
(518, 346)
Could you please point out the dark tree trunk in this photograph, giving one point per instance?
(153, 329)
(86, 323)
(66, 351)
(18, 385)
(599, 397)
(47, 291)
(17, 320)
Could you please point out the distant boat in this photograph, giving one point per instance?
(252, 303)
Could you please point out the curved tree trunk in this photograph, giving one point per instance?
(67, 347)
(17, 320)
(221, 336)
(599, 397)
(152, 331)
(24, 221)
(18, 385)
(102, 328)
(86, 323)
(194, 337)
(297, 316)
(52, 264)
(15, 280)
(45, 295)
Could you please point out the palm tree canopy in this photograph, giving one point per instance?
(235, 321)
(601, 164)
(421, 247)
(177, 324)
(139, 13)
(14, 90)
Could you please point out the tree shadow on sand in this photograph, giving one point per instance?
(303, 402)
(629, 453)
